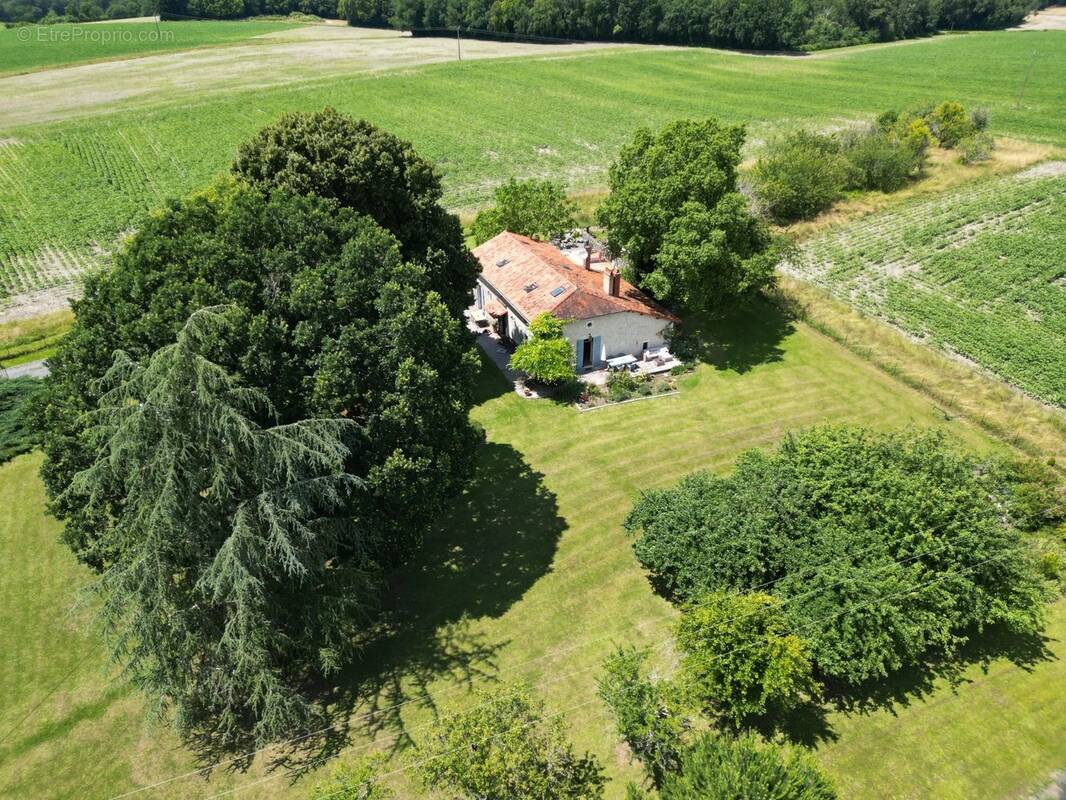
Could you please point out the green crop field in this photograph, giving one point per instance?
(35, 47)
(532, 578)
(68, 188)
(980, 271)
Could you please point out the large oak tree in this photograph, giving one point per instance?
(675, 214)
(375, 173)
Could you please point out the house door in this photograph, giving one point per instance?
(586, 353)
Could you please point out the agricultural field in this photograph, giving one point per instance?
(539, 531)
(70, 188)
(36, 47)
(979, 272)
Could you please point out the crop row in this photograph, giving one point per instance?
(980, 271)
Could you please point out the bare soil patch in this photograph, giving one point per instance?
(1052, 18)
(33, 304)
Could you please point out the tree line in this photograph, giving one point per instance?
(770, 25)
(773, 25)
(55, 11)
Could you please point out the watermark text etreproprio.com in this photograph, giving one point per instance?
(96, 34)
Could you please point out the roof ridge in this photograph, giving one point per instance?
(582, 288)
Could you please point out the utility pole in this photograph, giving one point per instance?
(459, 40)
(1025, 80)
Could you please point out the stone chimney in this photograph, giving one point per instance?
(612, 281)
(588, 255)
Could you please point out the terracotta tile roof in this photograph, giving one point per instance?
(535, 277)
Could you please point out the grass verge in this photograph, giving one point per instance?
(957, 389)
(33, 339)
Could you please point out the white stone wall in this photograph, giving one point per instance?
(517, 331)
(620, 334)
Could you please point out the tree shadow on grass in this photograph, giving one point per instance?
(489, 382)
(809, 725)
(740, 340)
(919, 683)
(492, 545)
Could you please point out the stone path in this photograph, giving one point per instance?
(501, 357)
(1057, 789)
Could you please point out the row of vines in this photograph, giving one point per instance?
(57, 222)
(980, 272)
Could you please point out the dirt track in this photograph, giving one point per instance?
(1052, 18)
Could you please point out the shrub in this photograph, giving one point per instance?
(505, 747)
(979, 119)
(623, 384)
(546, 356)
(353, 782)
(646, 714)
(826, 32)
(881, 161)
(1051, 564)
(739, 657)
(886, 121)
(527, 207)
(914, 132)
(17, 397)
(724, 768)
(1031, 492)
(800, 175)
(976, 148)
(949, 124)
(886, 546)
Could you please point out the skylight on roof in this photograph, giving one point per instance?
(502, 262)
(529, 287)
(558, 290)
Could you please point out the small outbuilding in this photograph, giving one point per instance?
(606, 316)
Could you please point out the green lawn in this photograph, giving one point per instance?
(531, 577)
(42, 46)
(68, 187)
(992, 738)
